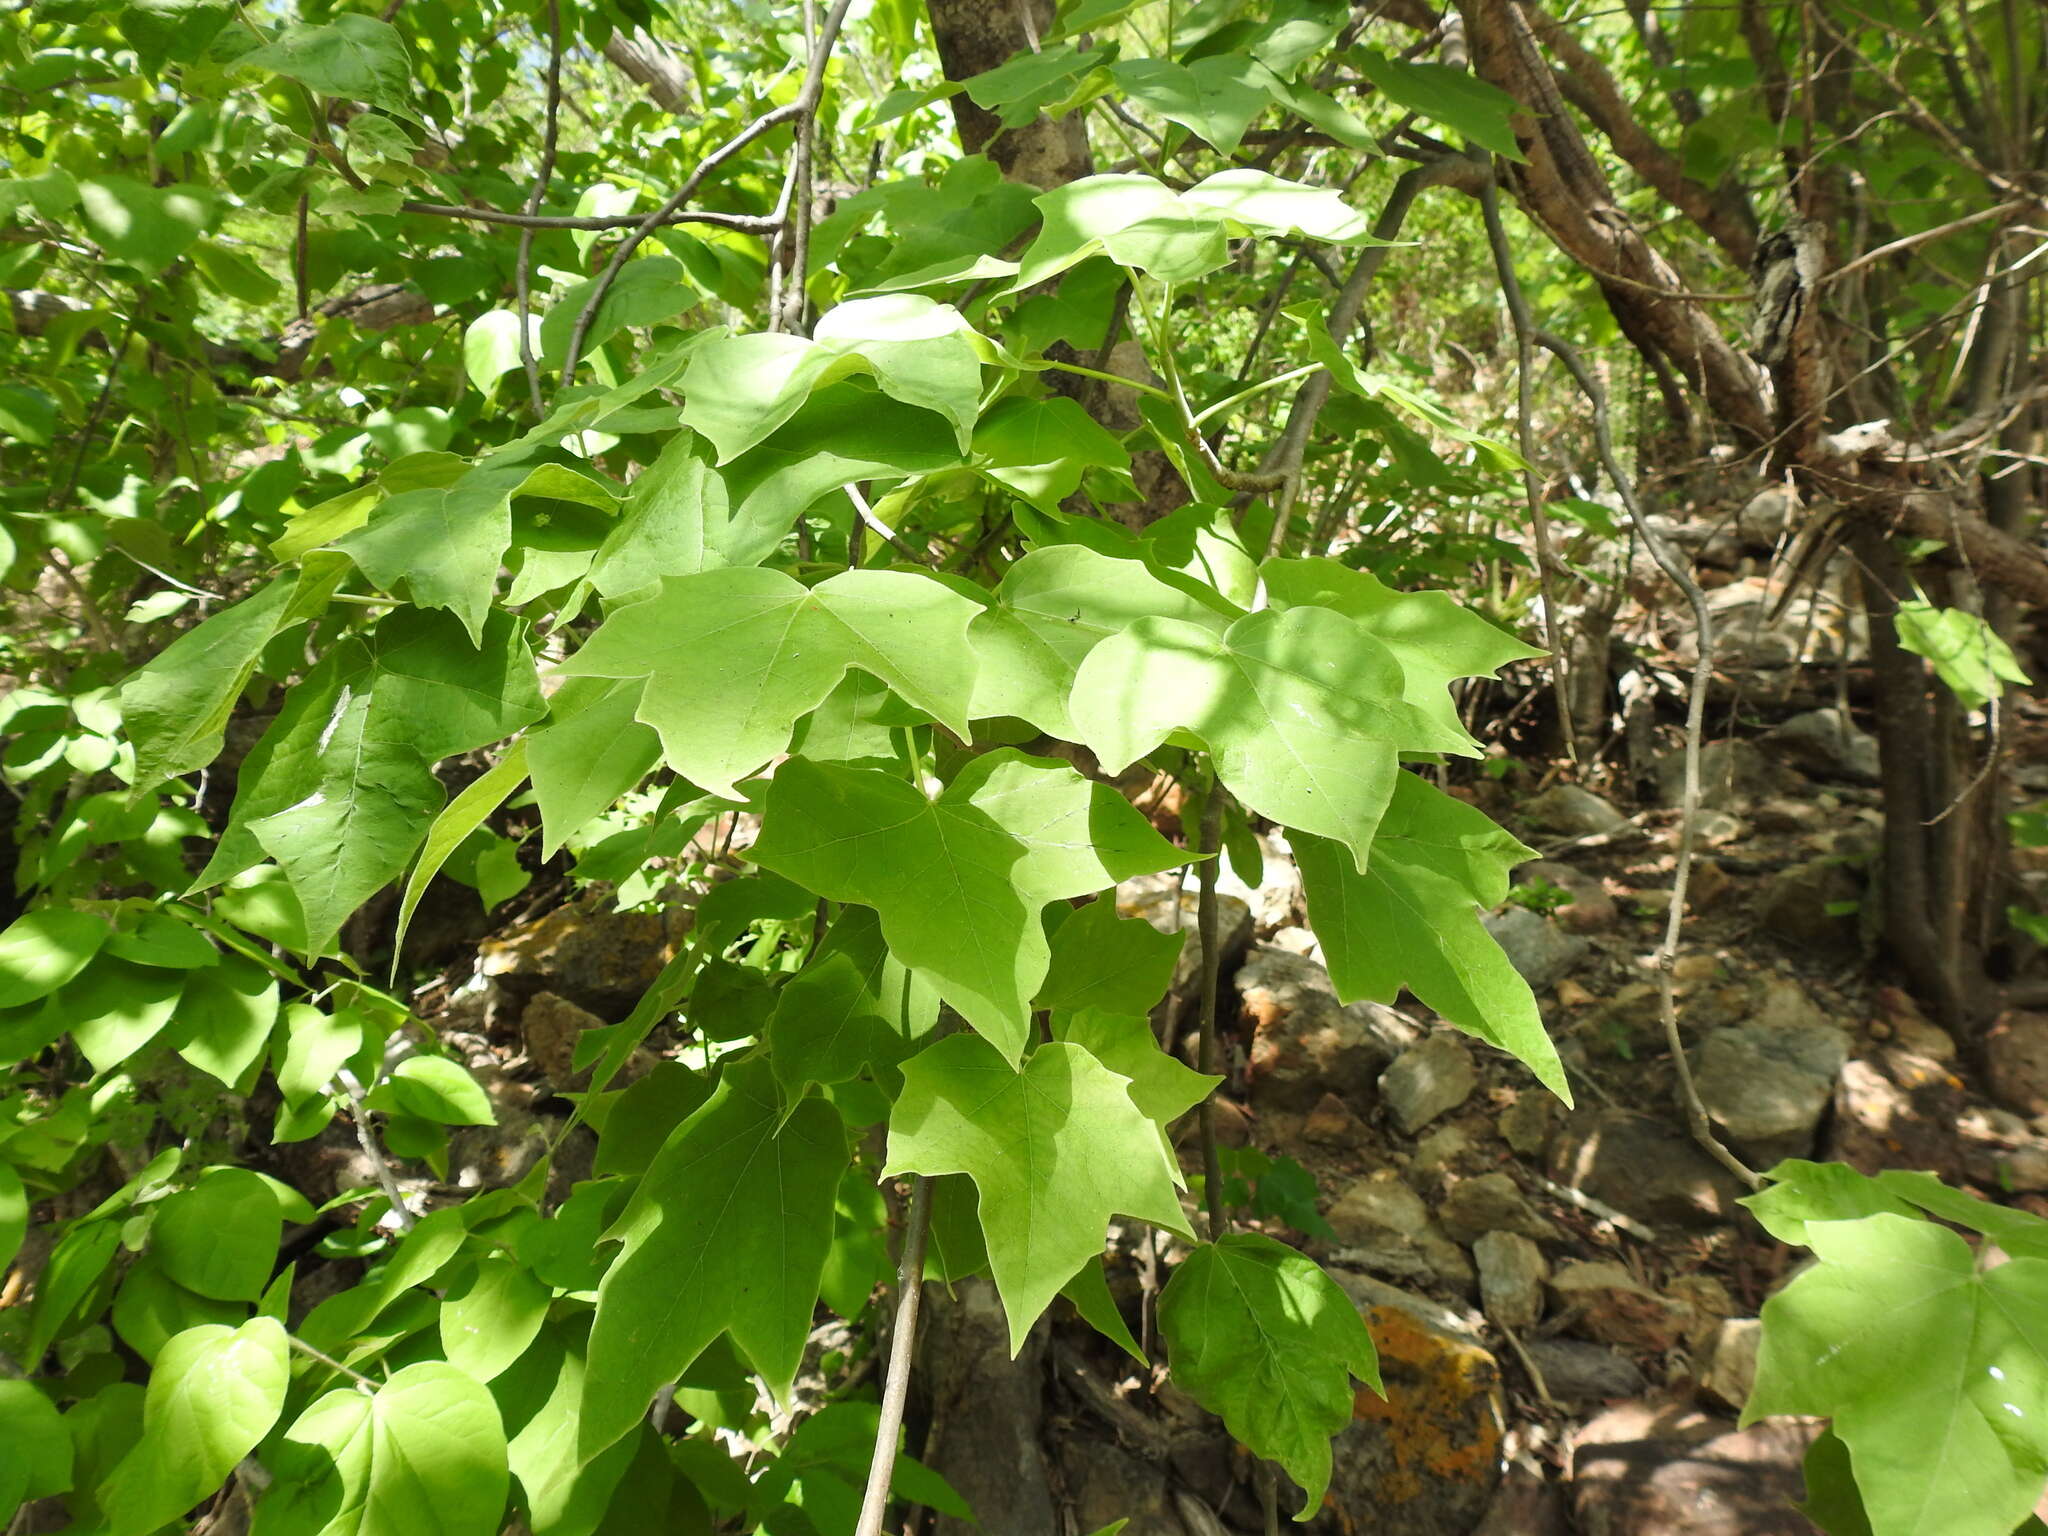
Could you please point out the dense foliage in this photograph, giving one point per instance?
(486, 444)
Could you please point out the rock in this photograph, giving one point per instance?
(1905, 1024)
(1768, 1088)
(1511, 1275)
(2016, 1061)
(1590, 910)
(1787, 1005)
(2003, 1151)
(1827, 744)
(1645, 1166)
(1570, 811)
(1544, 953)
(1161, 901)
(1731, 1365)
(1794, 906)
(1104, 1483)
(1528, 1124)
(602, 961)
(1765, 517)
(1331, 1124)
(1615, 1308)
(1782, 816)
(1428, 1080)
(1383, 1226)
(1527, 1503)
(1445, 1147)
(1492, 1202)
(1305, 1043)
(1898, 1112)
(1656, 1469)
(1709, 885)
(1734, 775)
(1717, 829)
(551, 1026)
(1425, 1459)
(1577, 1372)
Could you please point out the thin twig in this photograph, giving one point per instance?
(745, 223)
(367, 1140)
(1525, 445)
(789, 317)
(363, 1383)
(523, 271)
(805, 103)
(867, 516)
(1208, 929)
(1695, 722)
(902, 1345)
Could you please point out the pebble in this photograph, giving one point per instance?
(1512, 1270)
(1428, 1080)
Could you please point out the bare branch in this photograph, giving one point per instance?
(523, 273)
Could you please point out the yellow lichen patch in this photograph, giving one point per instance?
(1440, 1420)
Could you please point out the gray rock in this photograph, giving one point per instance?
(1511, 1275)
(1528, 1124)
(1428, 1080)
(1384, 1227)
(1764, 518)
(1645, 1166)
(1578, 1372)
(1731, 1368)
(1543, 952)
(1657, 1469)
(1794, 906)
(1492, 1202)
(1571, 811)
(1827, 744)
(2016, 1061)
(1734, 775)
(1590, 910)
(1305, 1043)
(1767, 1087)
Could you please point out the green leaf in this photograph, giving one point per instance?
(151, 1309)
(726, 1233)
(1934, 1370)
(1054, 1151)
(316, 1045)
(1259, 1334)
(213, 1394)
(1455, 98)
(13, 1214)
(489, 1319)
(647, 291)
(1436, 639)
(355, 57)
(1040, 449)
(462, 816)
(1967, 653)
(219, 1238)
(443, 547)
(1089, 1292)
(1054, 607)
(674, 524)
(38, 1461)
(1302, 711)
(1412, 919)
(42, 950)
(433, 1088)
(739, 389)
(146, 227)
(734, 656)
(28, 416)
(1163, 1088)
(490, 348)
(1105, 962)
(1214, 96)
(563, 1496)
(340, 789)
(422, 1456)
(224, 1018)
(590, 752)
(115, 1008)
(1134, 220)
(74, 1267)
(854, 1005)
(960, 881)
(1800, 1191)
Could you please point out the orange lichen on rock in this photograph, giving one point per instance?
(1439, 1416)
